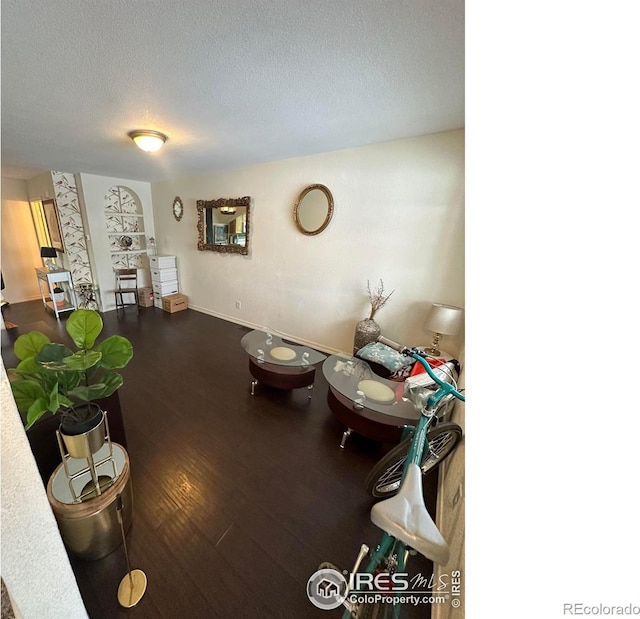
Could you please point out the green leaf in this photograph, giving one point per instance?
(28, 367)
(82, 360)
(68, 379)
(84, 326)
(116, 351)
(112, 381)
(36, 410)
(48, 380)
(26, 392)
(51, 356)
(54, 399)
(64, 401)
(107, 385)
(87, 393)
(29, 344)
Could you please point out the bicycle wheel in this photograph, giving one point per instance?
(384, 479)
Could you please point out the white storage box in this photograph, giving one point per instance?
(157, 301)
(164, 275)
(162, 289)
(162, 262)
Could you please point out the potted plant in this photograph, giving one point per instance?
(52, 378)
(368, 330)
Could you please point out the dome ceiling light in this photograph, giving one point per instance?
(149, 141)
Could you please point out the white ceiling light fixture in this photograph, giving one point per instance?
(149, 141)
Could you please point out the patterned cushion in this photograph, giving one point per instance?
(385, 356)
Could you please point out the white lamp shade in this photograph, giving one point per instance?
(444, 319)
(149, 141)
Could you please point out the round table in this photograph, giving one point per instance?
(373, 417)
(280, 364)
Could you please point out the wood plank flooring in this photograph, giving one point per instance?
(237, 498)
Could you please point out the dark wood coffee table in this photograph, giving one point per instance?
(378, 419)
(279, 364)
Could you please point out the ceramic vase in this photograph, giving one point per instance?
(367, 330)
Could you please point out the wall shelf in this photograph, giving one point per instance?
(124, 219)
(116, 214)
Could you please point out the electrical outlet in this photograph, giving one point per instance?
(238, 305)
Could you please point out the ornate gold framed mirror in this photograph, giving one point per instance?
(224, 225)
(313, 210)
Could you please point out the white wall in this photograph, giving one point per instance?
(20, 249)
(92, 190)
(399, 217)
(35, 566)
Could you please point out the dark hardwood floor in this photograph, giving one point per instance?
(237, 498)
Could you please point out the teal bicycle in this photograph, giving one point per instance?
(382, 587)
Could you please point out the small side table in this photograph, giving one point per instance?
(51, 279)
(90, 528)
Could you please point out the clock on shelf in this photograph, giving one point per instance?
(178, 208)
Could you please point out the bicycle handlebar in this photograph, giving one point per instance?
(391, 344)
(413, 352)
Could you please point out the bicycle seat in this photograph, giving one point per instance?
(406, 518)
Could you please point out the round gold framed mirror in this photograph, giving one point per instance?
(313, 209)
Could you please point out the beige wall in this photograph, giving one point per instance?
(41, 187)
(20, 249)
(399, 217)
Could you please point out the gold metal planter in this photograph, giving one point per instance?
(90, 528)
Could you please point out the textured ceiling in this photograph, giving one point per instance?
(231, 83)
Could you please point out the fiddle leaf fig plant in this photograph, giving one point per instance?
(53, 378)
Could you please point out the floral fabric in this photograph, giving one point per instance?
(385, 356)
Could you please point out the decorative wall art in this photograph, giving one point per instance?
(51, 216)
(72, 227)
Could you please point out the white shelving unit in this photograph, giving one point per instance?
(125, 230)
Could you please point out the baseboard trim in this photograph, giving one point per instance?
(287, 336)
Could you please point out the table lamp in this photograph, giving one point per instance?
(442, 320)
(49, 252)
